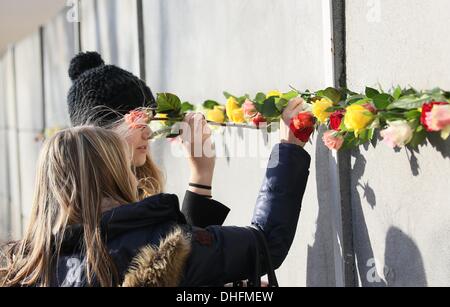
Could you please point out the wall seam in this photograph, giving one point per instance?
(343, 157)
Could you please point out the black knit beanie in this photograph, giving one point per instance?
(101, 94)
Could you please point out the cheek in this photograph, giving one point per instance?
(132, 138)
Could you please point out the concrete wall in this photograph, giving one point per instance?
(58, 49)
(11, 204)
(4, 177)
(400, 198)
(29, 115)
(110, 27)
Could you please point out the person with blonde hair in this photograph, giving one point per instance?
(103, 95)
(88, 228)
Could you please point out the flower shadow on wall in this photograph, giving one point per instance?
(432, 139)
(398, 244)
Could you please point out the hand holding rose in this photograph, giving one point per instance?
(296, 126)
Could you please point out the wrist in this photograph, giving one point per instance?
(200, 190)
(201, 177)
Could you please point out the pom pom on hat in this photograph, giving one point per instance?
(84, 62)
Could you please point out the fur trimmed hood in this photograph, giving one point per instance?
(160, 266)
(156, 266)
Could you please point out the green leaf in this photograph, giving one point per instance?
(210, 104)
(342, 127)
(168, 103)
(228, 95)
(409, 92)
(363, 136)
(418, 138)
(391, 116)
(260, 97)
(408, 103)
(268, 108)
(371, 134)
(281, 104)
(371, 92)
(382, 101)
(186, 106)
(352, 99)
(350, 141)
(331, 93)
(346, 91)
(290, 95)
(241, 100)
(397, 93)
(334, 109)
(413, 115)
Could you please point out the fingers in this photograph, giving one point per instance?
(198, 128)
(295, 106)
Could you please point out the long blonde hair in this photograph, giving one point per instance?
(78, 169)
(150, 179)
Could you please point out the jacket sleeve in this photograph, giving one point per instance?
(202, 212)
(221, 255)
(279, 202)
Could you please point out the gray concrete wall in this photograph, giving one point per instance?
(59, 49)
(29, 115)
(12, 205)
(4, 176)
(110, 27)
(400, 198)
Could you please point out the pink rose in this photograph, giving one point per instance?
(438, 118)
(333, 140)
(425, 119)
(398, 134)
(249, 109)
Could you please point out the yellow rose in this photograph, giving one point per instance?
(232, 105)
(357, 118)
(274, 93)
(159, 115)
(238, 116)
(216, 115)
(319, 109)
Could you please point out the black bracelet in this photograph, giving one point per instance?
(199, 186)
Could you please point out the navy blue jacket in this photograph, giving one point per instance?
(218, 254)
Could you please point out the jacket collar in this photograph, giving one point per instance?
(154, 210)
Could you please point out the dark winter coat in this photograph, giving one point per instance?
(153, 245)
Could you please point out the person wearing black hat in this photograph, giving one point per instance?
(102, 95)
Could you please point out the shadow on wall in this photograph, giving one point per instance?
(320, 270)
(403, 261)
(403, 264)
(433, 139)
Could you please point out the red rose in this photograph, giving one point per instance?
(258, 120)
(336, 120)
(427, 109)
(302, 126)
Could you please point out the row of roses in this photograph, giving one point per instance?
(404, 116)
